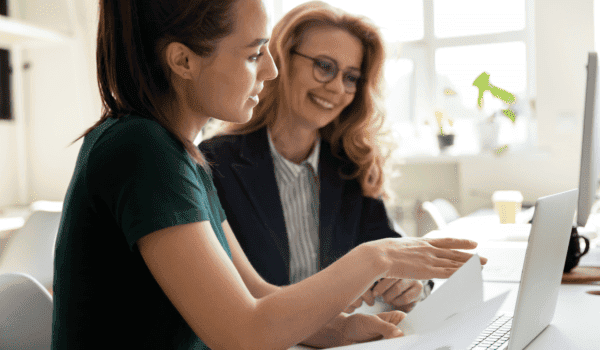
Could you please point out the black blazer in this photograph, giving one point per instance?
(244, 176)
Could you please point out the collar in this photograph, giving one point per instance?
(280, 161)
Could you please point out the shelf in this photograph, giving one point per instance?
(14, 32)
(534, 154)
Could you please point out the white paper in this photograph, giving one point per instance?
(463, 290)
(461, 330)
(455, 333)
(451, 318)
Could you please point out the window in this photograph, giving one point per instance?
(5, 88)
(436, 46)
(475, 17)
(5, 105)
(395, 25)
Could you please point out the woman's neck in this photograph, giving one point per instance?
(294, 143)
(184, 121)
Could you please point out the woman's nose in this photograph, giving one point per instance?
(270, 69)
(336, 84)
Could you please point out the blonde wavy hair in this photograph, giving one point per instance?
(357, 127)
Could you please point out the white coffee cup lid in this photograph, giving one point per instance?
(507, 196)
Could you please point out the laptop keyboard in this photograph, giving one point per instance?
(495, 336)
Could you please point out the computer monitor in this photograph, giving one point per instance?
(588, 169)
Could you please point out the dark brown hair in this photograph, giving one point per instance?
(357, 127)
(132, 36)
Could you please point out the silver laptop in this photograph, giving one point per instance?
(540, 277)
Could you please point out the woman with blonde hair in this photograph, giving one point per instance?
(302, 181)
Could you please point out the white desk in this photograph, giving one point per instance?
(576, 323)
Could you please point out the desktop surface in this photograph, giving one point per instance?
(575, 325)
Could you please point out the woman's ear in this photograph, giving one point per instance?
(178, 57)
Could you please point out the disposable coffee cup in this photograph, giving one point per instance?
(507, 204)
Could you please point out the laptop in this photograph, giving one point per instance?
(540, 277)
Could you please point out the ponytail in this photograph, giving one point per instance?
(131, 40)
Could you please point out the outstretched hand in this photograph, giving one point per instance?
(422, 258)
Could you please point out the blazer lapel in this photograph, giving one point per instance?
(256, 174)
(330, 197)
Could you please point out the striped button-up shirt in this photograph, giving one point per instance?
(296, 184)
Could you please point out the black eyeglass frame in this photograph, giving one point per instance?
(336, 70)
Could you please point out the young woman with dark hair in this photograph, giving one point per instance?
(145, 257)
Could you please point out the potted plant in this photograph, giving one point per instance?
(445, 139)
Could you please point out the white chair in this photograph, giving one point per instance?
(30, 250)
(25, 313)
(442, 212)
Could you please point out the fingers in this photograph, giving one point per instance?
(350, 309)
(384, 285)
(443, 272)
(408, 307)
(404, 293)
(356, 304)
(456, 255)
(388, 329)
(483, 260)
(451, 243)
(442, 262)
(425, 258)
(368, 297)
(393, 317)
(362, 327)
(398, 292)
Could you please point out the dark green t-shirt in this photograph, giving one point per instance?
(132, 178)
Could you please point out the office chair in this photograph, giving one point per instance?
(30, 250)
(441, 211)
(25, 313)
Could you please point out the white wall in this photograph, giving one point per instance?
(61, 100)
(8, 163)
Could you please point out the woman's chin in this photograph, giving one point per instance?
(241, 118)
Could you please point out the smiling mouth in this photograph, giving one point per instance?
(321, 102)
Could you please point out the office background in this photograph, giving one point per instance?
(56, 83)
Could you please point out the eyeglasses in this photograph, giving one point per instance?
(325, 69)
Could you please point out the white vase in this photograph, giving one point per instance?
(488, 132)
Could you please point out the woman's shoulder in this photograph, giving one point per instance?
(134, 127)
(223, 146)
(221, 141)
(336, 156)
(136, 137)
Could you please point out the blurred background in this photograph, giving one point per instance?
(536, 50)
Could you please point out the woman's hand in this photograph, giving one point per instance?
(400, 294)
(360, 328)
(421, 258)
